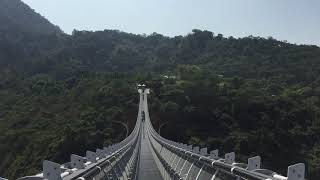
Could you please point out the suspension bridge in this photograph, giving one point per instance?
(145, 155)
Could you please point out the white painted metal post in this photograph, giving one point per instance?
(51, 170)
(214, 154)
(91, 156)
(204, 151)
(77, 161)
(229, 158)
(296, 172)
(254, 163)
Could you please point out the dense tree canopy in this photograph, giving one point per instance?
(63, 94)
(241, 115)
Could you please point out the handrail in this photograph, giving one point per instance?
(122, 159)
(218, 163)
(125, 145)
(104, 158)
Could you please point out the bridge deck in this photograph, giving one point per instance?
(147, 168)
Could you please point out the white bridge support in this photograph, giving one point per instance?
(145, 155)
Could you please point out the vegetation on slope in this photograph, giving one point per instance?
(16, 15)
(61, 94)
(42, 118)
(241, 115)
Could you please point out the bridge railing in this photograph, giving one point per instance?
(181, 161)
(174, 160)
(114, 162)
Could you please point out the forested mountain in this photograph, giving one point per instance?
(24, 35)
(16, 15)
(63, 94)
(114, 51)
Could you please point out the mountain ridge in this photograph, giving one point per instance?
(60, 93)
(17, 13)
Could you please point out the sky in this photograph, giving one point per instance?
(297, 21)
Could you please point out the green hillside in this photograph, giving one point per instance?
(63, 94)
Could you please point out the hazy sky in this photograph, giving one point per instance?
(297, 21)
